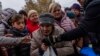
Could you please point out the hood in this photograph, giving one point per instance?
(86, 3)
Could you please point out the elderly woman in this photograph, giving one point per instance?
(32, 21)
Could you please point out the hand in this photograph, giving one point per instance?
(9, 35)
(46, 42)
(26, 39)
(44, 47)
(79, 42)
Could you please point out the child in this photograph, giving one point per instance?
(24, 14)
(18, 29)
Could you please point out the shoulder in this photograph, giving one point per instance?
(59, 30)
(2, 29)
(93, 3)
(2, 25)
(93, 9)
(36, 34)
(66, 19)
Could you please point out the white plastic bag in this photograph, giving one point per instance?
(49, 52)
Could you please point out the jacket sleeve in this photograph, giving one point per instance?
(71, 24)
(9, 41)
(34, 47)
(88, 24)
(65, 47)
(65, 51)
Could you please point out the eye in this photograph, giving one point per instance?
(47, 25)
(18, 23)
(57, 10)
(23, 22)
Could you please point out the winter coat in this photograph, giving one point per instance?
(2, 29)
(21, 49)
(31, 27)
(5, 41)
(89, 24)
(65, 23)
(63, 48)
(9, 41)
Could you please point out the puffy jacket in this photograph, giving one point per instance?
(65, 23)
(63, 48)
(31, 27)
(89, 24)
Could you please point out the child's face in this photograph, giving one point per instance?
(20, 24)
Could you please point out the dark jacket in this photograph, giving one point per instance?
(21, 49)
(91, 23)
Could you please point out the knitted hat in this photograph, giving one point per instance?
(46, 19)
(30, 12)
(75, 6)
(7, 14)
(10, 11)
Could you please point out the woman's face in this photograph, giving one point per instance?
(46, 29)
(34, 17)
(57, 12)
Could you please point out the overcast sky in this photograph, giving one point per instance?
(18, 4)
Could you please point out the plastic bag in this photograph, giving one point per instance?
(87, 51)
(49, 52)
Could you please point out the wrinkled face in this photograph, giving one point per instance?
(20, 24)
(46, 29)
(76, 12)
(34, 17)
(57, 12)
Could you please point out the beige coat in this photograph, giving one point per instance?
(63, 48)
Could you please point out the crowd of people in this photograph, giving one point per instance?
(72, 32)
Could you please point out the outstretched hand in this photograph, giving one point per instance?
(9, 35)
(26, 39)
(44, 47)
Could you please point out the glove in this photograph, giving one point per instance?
(47, 42)
(51, 40)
